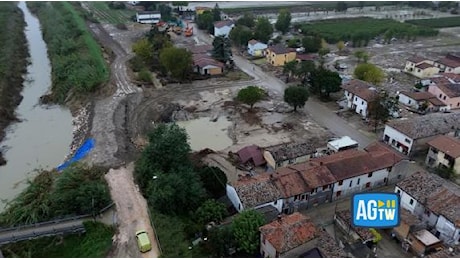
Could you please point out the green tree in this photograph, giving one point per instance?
(379, 109)
(311, 43)
(222, 49)
(342, 6)
(210, 210)
(305, 69)
(296, 96)
(250, 95)
(180, 3)
(284, 21)
(176, 61)
(216, 13)
(165, 12)
(361, 55)
(247, 20)
(214, 181)
(369, 72)
(263, 30)
(240, 35)
(323, 82)
(290, 68)
(246, 230)
(205, 21)
(222, 240)
(340, 45)
(444, 172)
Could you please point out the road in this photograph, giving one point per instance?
(319, 112)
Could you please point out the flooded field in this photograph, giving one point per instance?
(203, 133)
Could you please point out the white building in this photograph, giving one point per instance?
(153, 17)
(256, 48)
(358, 95)
(223, 28)
(444, 152)
(341, 144)
(410, 135)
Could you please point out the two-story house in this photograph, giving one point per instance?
(420, 67)
(449, 64)
(421, 101)
(444, 151)
(278, 55)
(223, 28)
(411, 135)
(256, 48)
(296, 236)
(358, 94)
(446, 91)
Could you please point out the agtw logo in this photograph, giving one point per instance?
(375, 210)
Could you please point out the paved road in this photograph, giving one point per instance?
(319, 112)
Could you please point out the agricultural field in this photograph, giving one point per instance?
(363, 29)
(442, 22)
(103, 13)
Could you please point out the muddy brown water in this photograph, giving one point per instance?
(42, 138)
(203, 133)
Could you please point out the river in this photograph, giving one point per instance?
(43, 137)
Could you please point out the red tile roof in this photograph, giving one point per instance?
(451, 90)
(416, 59)
(436, 102)
(449, 62)
(253, 153)
(451, 76)
(446, 203)
(202, 60)
(423, 66)
(220, 24)
(361, 89)
(290, 183)
(418, 96)
(289, 232)
(255, 191)
(314, 174)
(306, 57)
(421, 185)
(253, 42)
(446, 144)
(345, 216)
(280, 49)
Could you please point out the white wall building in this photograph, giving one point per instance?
(256, 48)
(223, 28)
(358, 95)
(152, 17)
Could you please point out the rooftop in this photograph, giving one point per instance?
(285, 152)
(361, 89)
(345, 216)
(449, 62)
(427, 125)
(257, 190)
(203, 60)
(220, 24)
(290, 183)
(200, 49)
(426, 237)
(423, 66)
(436, 102)
(418, 96)
(280, 49)
(289, 232)
(313, 174)
(446, 144)
(421, 185)
(408, 218)
(447, 203)
(417, 59)
(306, 57)
(253, 153)
(328, 246)
(450, 89)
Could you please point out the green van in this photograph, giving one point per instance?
(143, 241)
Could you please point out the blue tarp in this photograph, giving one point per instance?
(84, 149)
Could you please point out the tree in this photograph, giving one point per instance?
(263, 30)
(284, 21)
(361, 55)
(240, 35)
(180, 3)
(311, 43)
(210, 210)
(323, 82)
(214, 181)
(165, 12)
(290, 68)
(216, 13)
(205, 21)
(296, 96)
(222, 49)
(369, 72)
(246, 230)
(250, 95)
(444, 172)
(222, 240)
(378, 112)
(144, 49)
(305, 69)
(177, 61)
(342, 7)
(340, 45)
(247, 20)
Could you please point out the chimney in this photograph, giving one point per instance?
(279, 218)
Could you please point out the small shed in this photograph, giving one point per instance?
(251, 153)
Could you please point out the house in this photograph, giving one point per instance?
(204, 49)
(223, 28)
(444, 151)
(449, 64)
(251, 154)
(148, 17)
(206, 65)
(291, 153)
(278, 55)
(301, 57)
(294, 236)
(408, 223)
(201, 9)
(256, 48)
(435, 201)
(411, 135)
(421, 100)
(447, 92)
(420, 67)
(343, 220)
(422, 242)
(358, 94)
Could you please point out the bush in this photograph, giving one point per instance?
(145, 75)
(136, 64)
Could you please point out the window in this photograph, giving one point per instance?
(340, 183)
(398, 191)
(444, 98)
(296, 197)
(303, 197)
(325, 187)
(418, 70)
(338, 193)
(358, 181)
(362, 102)
(385, 180)
(407, 141)
(276, 201)
(428, 213)
(368, 185)
(369, 175)
(399, 176)
(411, 201)
(351, 182)
(440, 95)
(409, 102)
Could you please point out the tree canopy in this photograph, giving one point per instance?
(222, 49)
(369, 72)
(296, 96)
(177, 61)
(284, 21)
(246, 230)
(247, 20)
(250, 95)
(323, 82)
(210, 210)
(205, 21)
(214, 180)
(377, 111)
(311, 43)
(263, 30)
(361, 56)
(240, 35)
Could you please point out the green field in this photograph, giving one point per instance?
(437, 22)
(103, 13)
(334, 30)
(95, 243)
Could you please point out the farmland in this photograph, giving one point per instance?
(346, 29)
(104, 13)
(442, 22)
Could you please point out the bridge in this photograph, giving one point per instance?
(71, 225)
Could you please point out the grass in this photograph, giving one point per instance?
(104, 13)
(437, 22)
(334, 30)
(95, 243)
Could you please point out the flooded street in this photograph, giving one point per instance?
(42, 138)
(204, 133)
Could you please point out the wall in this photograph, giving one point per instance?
(266, 249)
(396, 136)
(352, 185)
(280, 59)
(233, 197)
(225, 30)
(276, 204)
(448, 232)
(296, 252)
(425, 73)
(407, 101)
(405, 200)
(257, 49)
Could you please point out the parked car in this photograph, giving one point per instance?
(143, 241)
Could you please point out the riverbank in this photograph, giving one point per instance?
(13, 64)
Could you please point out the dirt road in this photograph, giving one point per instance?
(132, 214)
